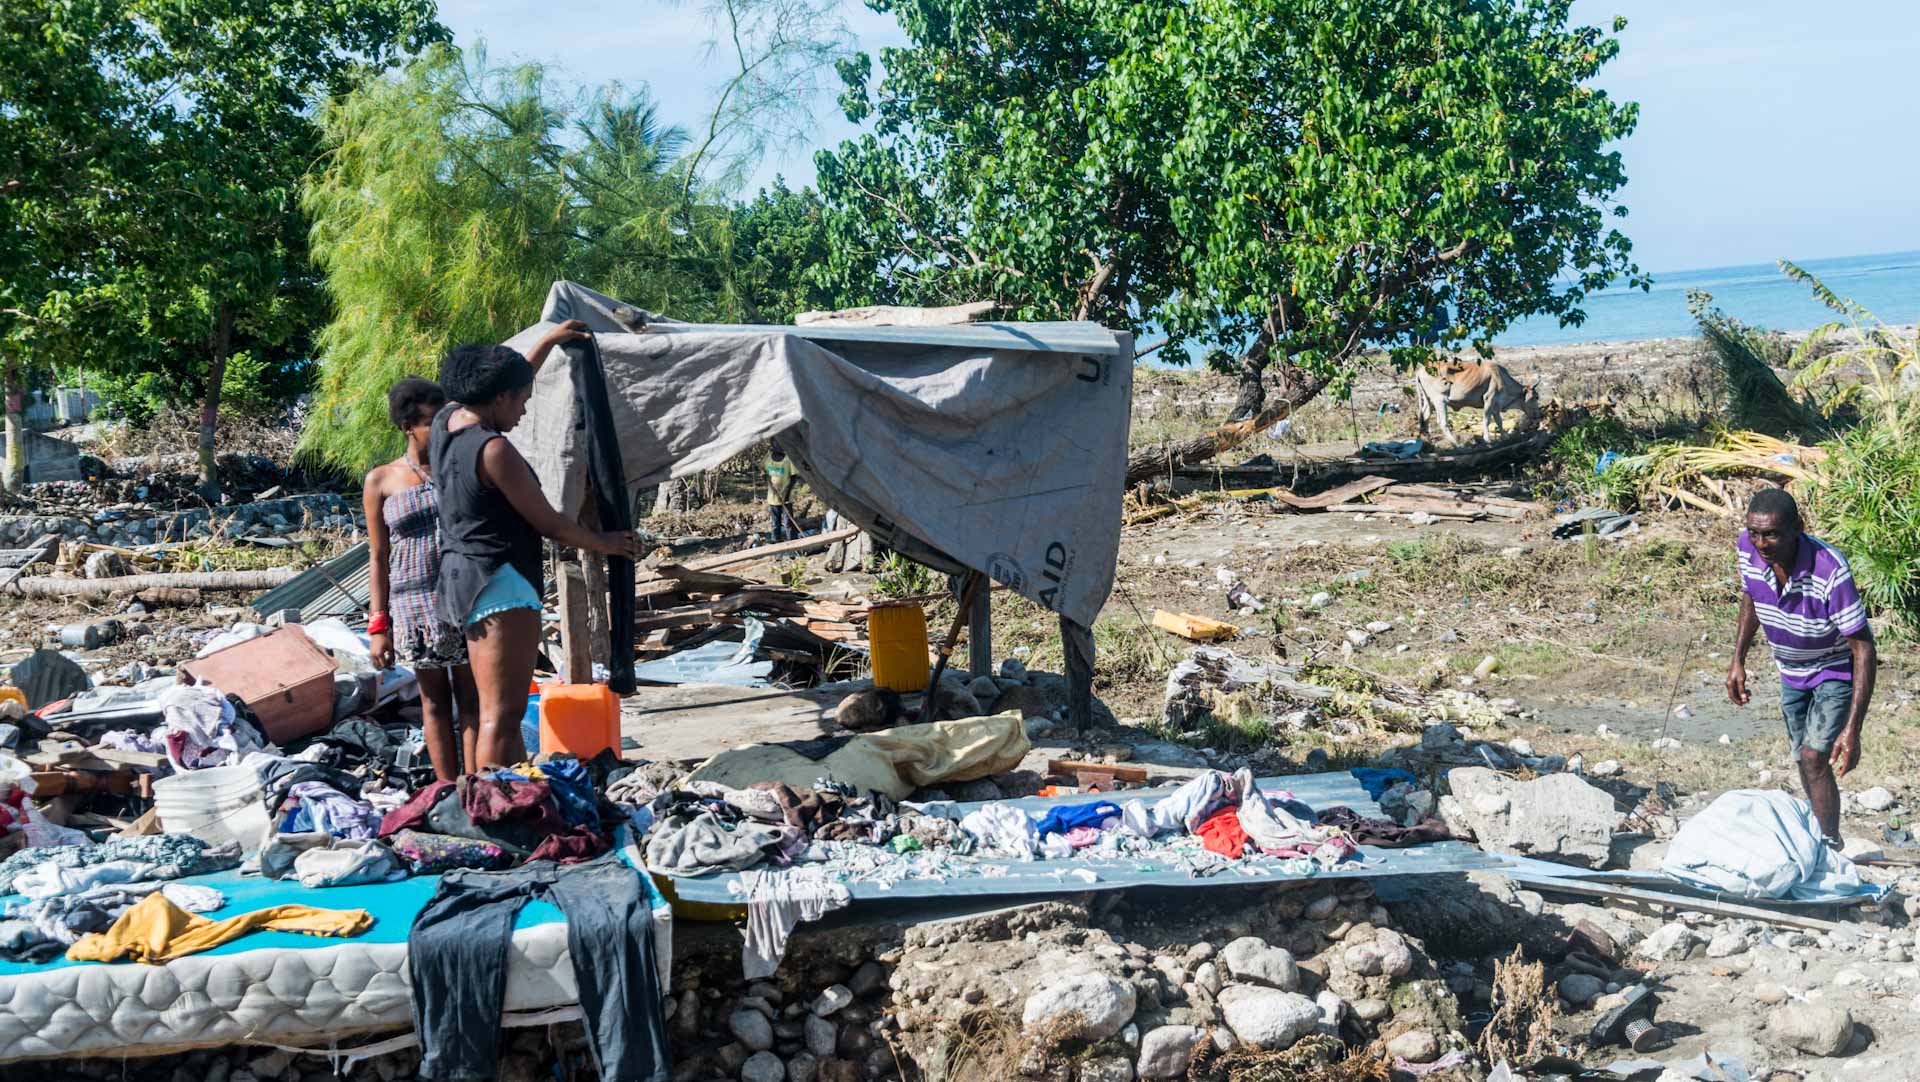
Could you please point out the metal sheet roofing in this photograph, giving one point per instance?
(338, 587)
(991, 878)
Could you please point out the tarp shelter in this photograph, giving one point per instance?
(994, 447)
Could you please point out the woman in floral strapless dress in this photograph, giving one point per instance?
(403, 546)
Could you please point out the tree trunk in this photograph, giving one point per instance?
(1297, 388)
(242, 581)
(16, 469)
(210, 409)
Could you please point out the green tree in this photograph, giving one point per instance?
(778, 241)
(167, 182)
(1292, 182)
(452, 195)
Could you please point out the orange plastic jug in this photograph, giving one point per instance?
(897, 637)
(581, 720)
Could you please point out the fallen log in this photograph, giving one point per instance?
(189, 580)
(1158, 460)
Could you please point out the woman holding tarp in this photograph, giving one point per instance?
(492, 517)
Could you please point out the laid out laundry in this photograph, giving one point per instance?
(776, 904)
(1384, 833)
(458, 947)
(171, 856)
(347, 863)
(432, 854)
(42, 929)
(317, 806)
(199, 729)
(156, 930)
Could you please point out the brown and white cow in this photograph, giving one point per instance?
(1450, 383)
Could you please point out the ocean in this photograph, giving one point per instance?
(1757, 294)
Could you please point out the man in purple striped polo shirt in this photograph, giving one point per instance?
(1801, 591)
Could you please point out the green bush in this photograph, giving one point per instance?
(1865, 500)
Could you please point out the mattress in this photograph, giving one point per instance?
(274, 987)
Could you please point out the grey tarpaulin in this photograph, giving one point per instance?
(1002, 450)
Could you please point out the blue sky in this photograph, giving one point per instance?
(1768, 128)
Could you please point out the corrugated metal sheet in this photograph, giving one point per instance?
(338, 587)
(1042, 877)
(1051, 337)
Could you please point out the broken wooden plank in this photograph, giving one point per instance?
(669, 576)
(765, 552)
(1387, 501)
(1323, 500)
(1396, 512)
(1136, 775)
(191, 580)
(1192, 627)
(148, 760)
(894, 315)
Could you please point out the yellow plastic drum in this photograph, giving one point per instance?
(897, 635)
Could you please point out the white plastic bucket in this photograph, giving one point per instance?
(217, 805)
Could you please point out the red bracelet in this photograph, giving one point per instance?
(380, 624)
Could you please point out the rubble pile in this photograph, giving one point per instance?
(131, 523)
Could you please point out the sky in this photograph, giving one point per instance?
(1768, 128)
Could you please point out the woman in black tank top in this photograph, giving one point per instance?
(492, 517)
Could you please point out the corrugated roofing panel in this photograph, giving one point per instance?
(338, 587)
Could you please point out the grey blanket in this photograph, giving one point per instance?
(971, 453)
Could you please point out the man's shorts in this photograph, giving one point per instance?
(1816, 715)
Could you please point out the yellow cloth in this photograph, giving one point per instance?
(156, 930)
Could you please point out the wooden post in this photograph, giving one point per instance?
(575, 636)
(980, 633)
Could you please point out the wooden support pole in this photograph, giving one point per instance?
(980, 634)
(594, 566)
(576, 644)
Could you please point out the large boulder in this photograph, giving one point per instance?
(1100, 1004)
(1558, 817)
(1266, 1017)
(1249, 958)
(1815, 1030)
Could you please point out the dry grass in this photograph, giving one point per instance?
(1317, 1058)
(1521, 1029)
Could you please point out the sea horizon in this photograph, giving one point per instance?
(1758, 294)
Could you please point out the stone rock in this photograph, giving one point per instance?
(1207, 976)
(1726, 944)
(1102, 1003)
(1557, 817)
(1371, 1010)
(1198, 953)
(984, 689)
(752, 1029)
(763, 1067)
(1105, 1069)
(1770, 994)
(979, 790)
(1396, 957)
(1815, 1030)
(1439, 736)
(1671, 943)
(868, 980)
(1166, 1051)
(802, 1067)
(1605, 768)
(1321, 908)
(1876, 799)
(835, 999)
(733, 1055)
(1581, 989)
(821, 1036)
(1415, 1046)
(1249, 958)
(1268, 1018)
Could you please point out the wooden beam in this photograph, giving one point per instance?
(980, 635)
(1194, 628)
(767, 552)
(576, 635)
(889, 315)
